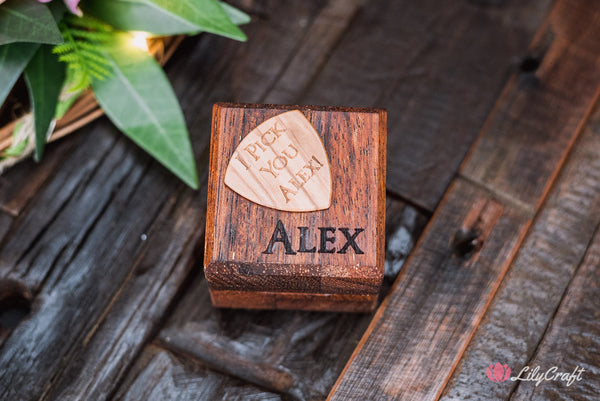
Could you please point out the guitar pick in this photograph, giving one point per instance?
(282, 164)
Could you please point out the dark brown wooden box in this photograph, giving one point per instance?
(241, 275)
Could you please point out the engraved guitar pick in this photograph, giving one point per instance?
(282, 164)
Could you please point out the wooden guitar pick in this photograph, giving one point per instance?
(282, 164)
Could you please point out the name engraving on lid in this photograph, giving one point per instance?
(327, 237)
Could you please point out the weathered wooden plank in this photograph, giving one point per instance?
(229, 71)
(572, 343)
(547, 96)
(5, 222)
(138, 305)
(534, 286)
(282, 351)
(423, 327)
(111, 236)
(68, 208)
(19, 185)
(15, 306)
(21, 249)
(438, 69)
(297, 353)
(161, 376)
(77, 273)
(313, 51)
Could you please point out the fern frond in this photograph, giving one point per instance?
(89, 47)
(78, 79)
(96, 74)
(64, 47)
(83, 50)
(94, 57)
(99, 73)
(69, 58)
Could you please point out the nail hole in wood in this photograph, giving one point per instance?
(466, 242)
(529, 65)
(15, 304)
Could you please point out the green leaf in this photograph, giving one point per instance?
(139, 100)
(44, 76)
(13, 59)
(58, 9)
(65, 104)
(168, 17)
(16, 148)
(27, 21)
(236, 16)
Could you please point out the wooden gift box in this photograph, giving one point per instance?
(259, 257)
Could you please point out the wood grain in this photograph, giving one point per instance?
(132, 313)
(447, 317)
(5, 223)
(426, 320)
(313, 51)
(549, 96)
(572, 340)
(525, 304)
(281, 164)
(68, 267)
(293, 352)
(340, 263)
(296, 353)
(19, 185)
(438, 70)
(159, 375)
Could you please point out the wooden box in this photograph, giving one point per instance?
(326, 251)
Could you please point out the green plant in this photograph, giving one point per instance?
(85, 40)
(61, 52)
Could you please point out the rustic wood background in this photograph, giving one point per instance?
(493, 209)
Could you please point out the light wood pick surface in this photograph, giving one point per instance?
(282, 164)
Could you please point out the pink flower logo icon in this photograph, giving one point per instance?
(498, 373)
